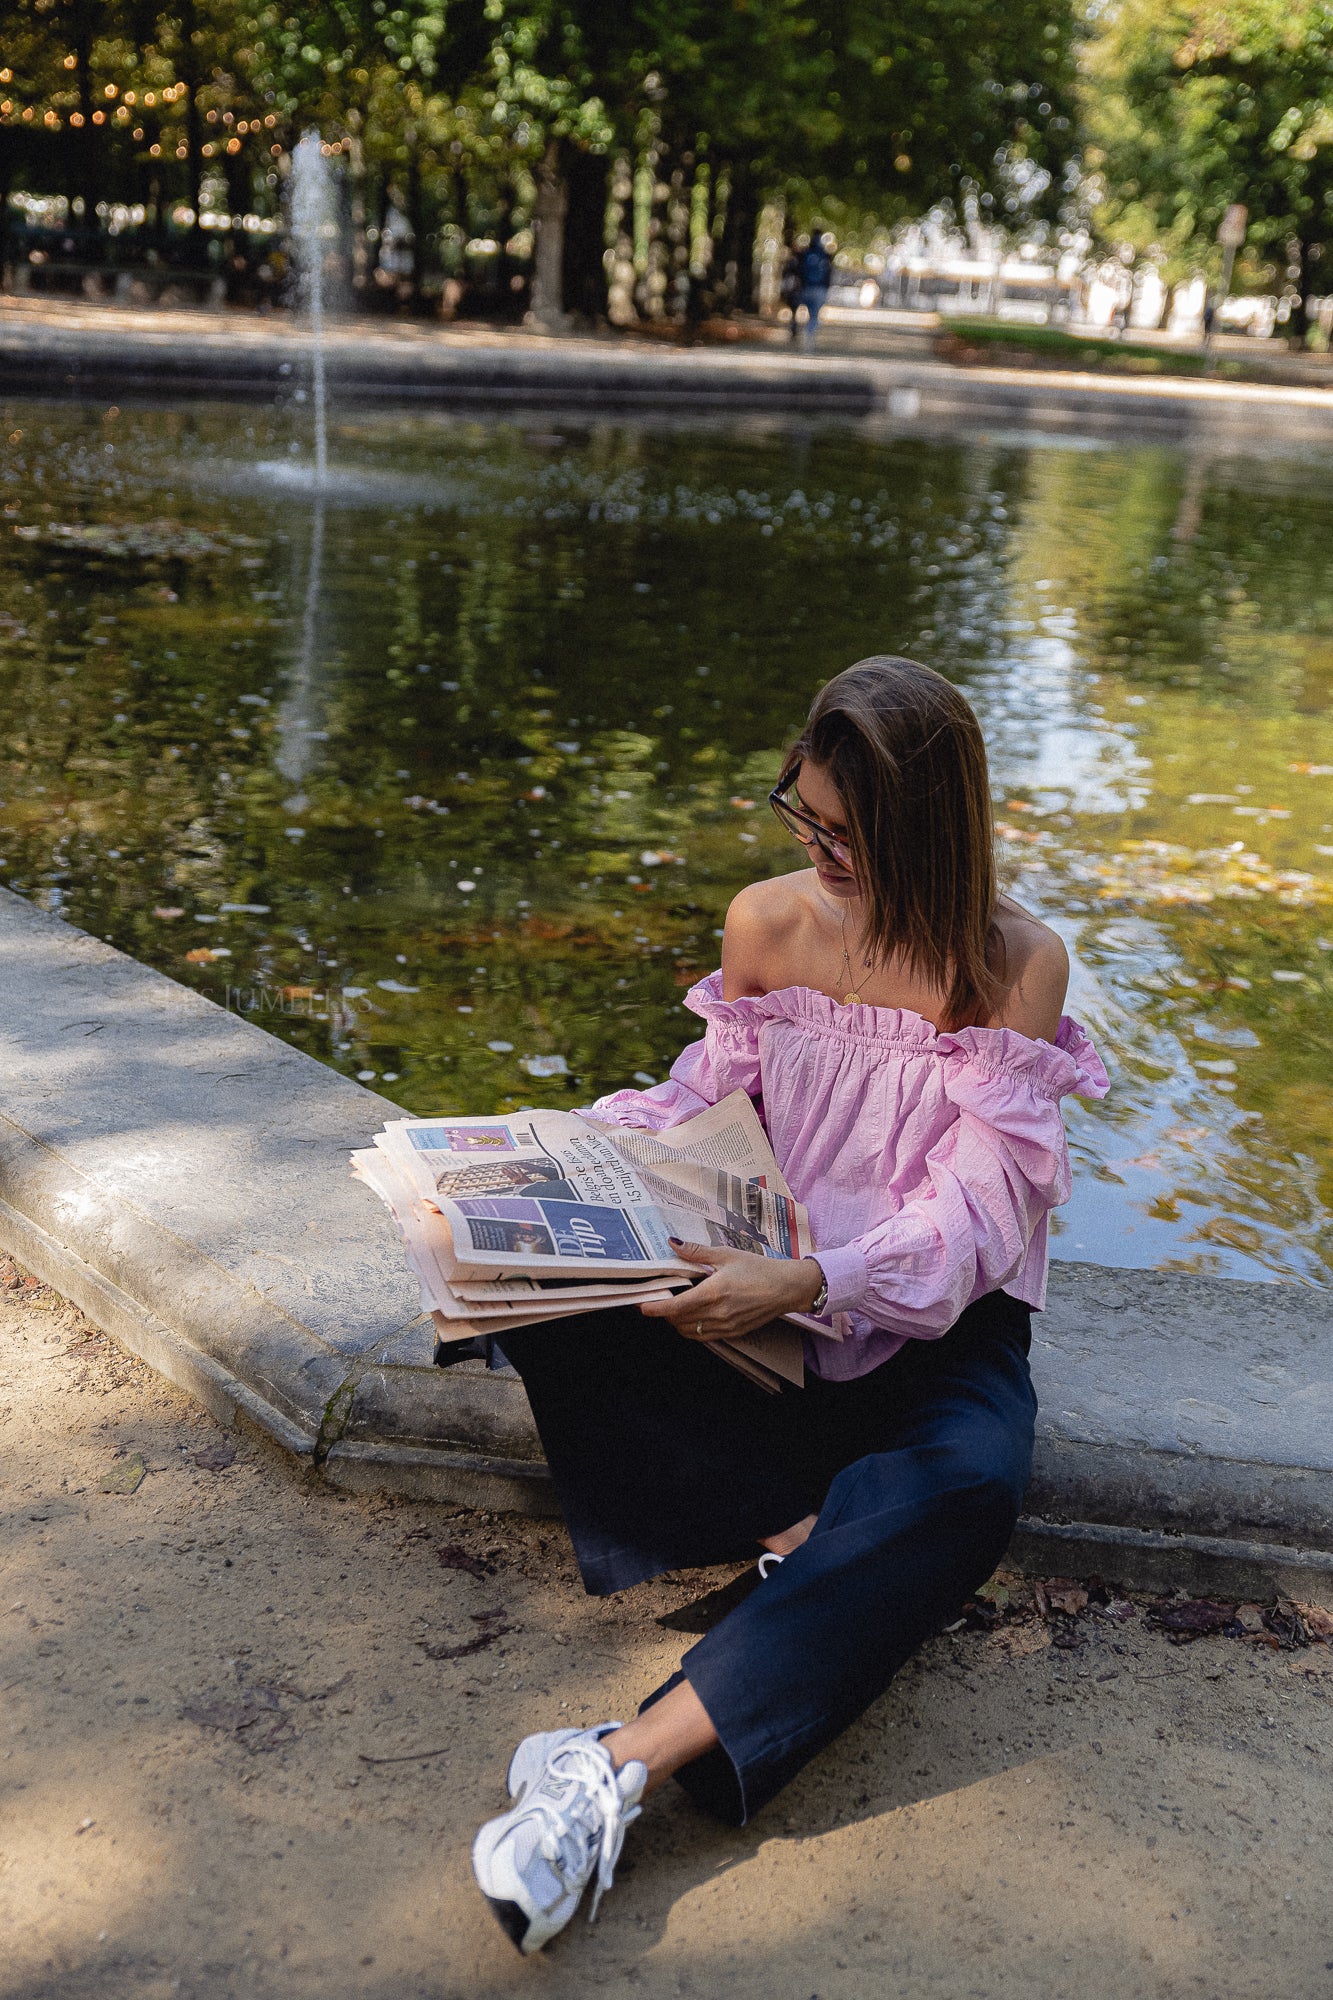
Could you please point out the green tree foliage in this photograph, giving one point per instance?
(464, 116)
(1194, 106)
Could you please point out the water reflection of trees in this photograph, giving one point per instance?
(617, 639)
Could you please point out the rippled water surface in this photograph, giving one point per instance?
(449, 777)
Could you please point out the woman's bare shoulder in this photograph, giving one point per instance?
(763, 922)
(1036, 973)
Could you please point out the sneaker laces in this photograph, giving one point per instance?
(596, 1817)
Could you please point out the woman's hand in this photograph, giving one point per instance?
(741, 1292)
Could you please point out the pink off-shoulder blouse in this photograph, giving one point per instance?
(929, 1162)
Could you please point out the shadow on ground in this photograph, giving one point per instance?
(196, 1674)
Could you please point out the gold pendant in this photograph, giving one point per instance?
(852, 999)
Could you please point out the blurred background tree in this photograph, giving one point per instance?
(509, 142)
(1191, 107)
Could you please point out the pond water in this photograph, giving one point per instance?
(449, 777)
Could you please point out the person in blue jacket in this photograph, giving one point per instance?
(816, 274)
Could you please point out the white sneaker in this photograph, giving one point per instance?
(533, 1863)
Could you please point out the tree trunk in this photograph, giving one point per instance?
(416, 217)
(361, 260)
(85, 172)
(188, 71)
(583, 287)
(548, 218)
(1306, 256)
(738, 234)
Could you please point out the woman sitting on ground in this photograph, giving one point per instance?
(899, 1026)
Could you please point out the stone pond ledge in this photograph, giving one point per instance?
(105, 353)
(181, 1176)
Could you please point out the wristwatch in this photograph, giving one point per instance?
(819, 1303)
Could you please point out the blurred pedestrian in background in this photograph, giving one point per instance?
(816, 274)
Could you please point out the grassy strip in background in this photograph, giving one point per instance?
(1088, 351)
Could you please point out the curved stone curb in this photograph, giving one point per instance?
(254, 359)
(182, 1177)
(1146, 1560)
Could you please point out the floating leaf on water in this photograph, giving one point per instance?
(167, 915)
(395, 986)
(543, 1065)
(146, 541)
(204, 955)
(1163, 872)
(743, 805)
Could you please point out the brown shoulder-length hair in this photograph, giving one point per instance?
(906, 754)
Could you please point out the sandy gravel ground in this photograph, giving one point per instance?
(194, 1675)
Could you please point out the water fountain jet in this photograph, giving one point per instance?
(311, 218)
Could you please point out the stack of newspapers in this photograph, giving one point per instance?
(534, 1216)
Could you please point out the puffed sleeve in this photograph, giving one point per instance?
(726, 1059)
(989, 1180)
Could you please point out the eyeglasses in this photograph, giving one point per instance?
(808, 830)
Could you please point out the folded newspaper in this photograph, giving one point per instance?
(514, 1220)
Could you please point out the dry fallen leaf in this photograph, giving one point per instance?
(215, 1457)
(1318, 1622)
(126, 1476)
(1015, 1642)
(1196, 1618)
(1071, 1602)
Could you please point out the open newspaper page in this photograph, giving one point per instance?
(547, 1193)
(531, 1217)
(727, 1136)
(428, 1243)
(729, 1140)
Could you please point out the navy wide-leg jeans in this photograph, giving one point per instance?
(664, 1457)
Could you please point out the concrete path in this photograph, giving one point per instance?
(109, 352)
(217, 1682)
(182, 1176)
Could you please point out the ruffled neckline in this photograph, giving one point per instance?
(1071, 1061)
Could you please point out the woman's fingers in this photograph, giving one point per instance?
(711, 1254)
(687, 1309)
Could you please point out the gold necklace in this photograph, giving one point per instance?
(851, 998)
